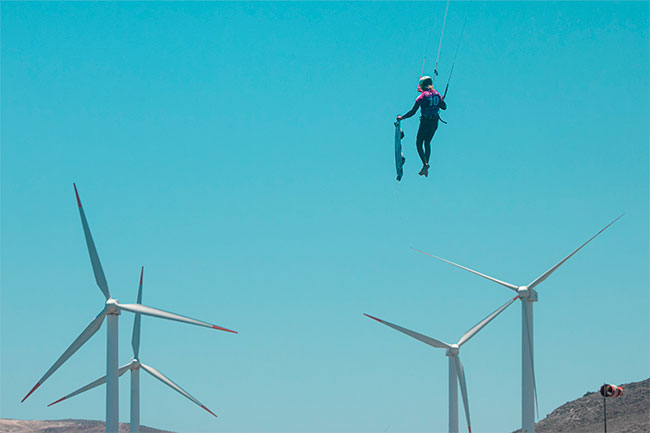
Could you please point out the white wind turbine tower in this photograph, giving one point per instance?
(134, 365)
(112, 311)
(528, 295)
(456, 371)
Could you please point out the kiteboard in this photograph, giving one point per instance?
(399, 157)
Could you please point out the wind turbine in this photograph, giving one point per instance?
(456, 371)
(111, 311)
(134, 365)
(527, 295)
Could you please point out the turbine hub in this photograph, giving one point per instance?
(135, 364)
(453, 351)
(111, 307)
(523, 292)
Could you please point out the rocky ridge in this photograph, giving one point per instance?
(64, 426)
(629, 413)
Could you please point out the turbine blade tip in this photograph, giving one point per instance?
(212, 413)
(224, 329)
(141, 275)
(76, 194)
(61, 399)
(616, 219)
(373, 317)
(428, 254)
(30, 392)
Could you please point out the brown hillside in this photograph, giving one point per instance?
(64, 426)
(629, 413)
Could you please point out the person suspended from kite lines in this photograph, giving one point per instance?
(429, 102)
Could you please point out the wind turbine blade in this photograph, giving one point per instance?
(85, 335)
(463, 390)
(135, 339)
(503, 283)
(149, 311)
(161, 377)
(530, 353)
(92, 251)
(546, 274)
(92, 385)
(469, 334)
(423, 338)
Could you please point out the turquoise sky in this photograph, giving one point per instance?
(242, 152)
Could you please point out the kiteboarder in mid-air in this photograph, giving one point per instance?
(429, 102)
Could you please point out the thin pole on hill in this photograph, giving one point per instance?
(605, 411)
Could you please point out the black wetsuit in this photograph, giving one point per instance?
(430, 101)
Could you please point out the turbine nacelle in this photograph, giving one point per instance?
(525, 292)
(453, 350)
(112, 307)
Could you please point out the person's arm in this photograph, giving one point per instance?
(443, 104)
(411, 112)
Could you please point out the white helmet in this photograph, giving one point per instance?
(425, 82)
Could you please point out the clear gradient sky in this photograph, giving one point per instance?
(242, 152)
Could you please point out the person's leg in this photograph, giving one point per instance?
(427, 151)
(419, 141)
(431, 130)
(427, 141)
